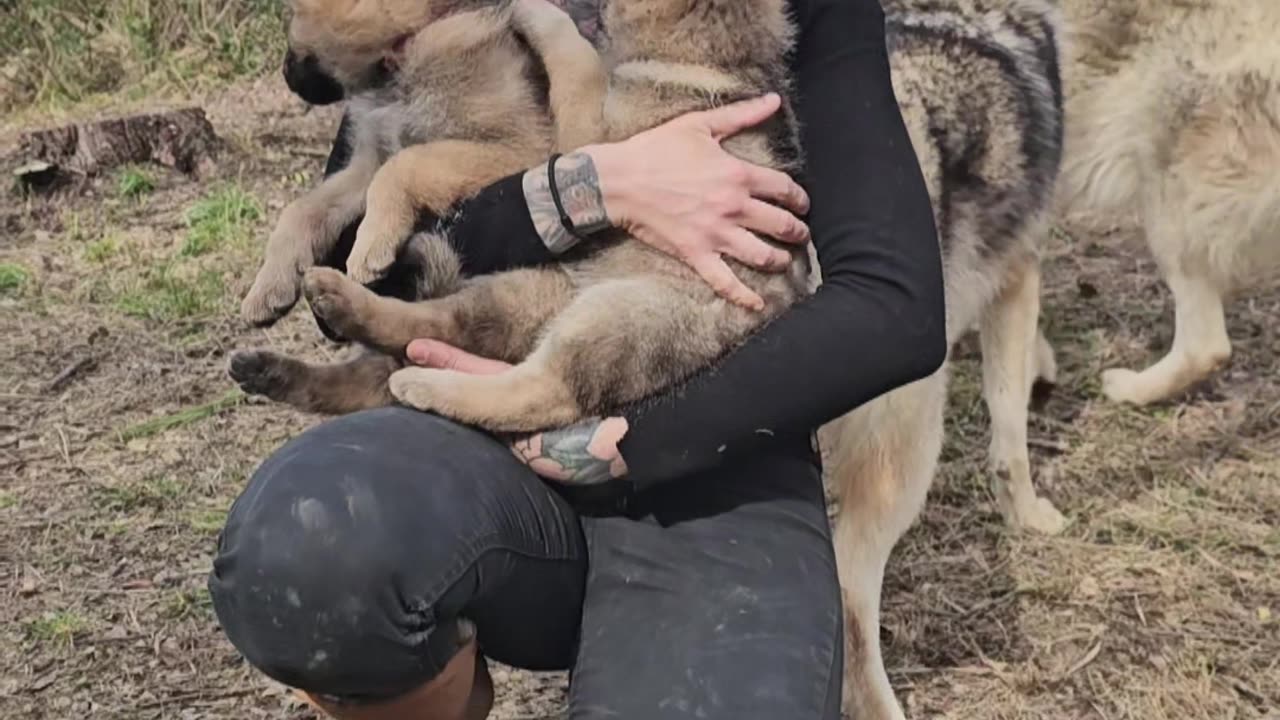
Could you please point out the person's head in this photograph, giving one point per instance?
(342, 47)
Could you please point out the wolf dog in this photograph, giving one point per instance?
(980, 88)
(1173, 111)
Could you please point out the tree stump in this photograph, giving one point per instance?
(181, 139)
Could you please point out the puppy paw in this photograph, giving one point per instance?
(336, 300)
(274, 292)
(261, 372)
(1124, 386)
(378, 242)
(415, 387)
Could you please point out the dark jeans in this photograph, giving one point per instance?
(347, 561)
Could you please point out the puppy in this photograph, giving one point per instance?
(1174, 111)
(445, 97)
(624, 321)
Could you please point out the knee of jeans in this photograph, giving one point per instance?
(316, 580)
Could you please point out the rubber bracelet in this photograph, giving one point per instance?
(565, 220)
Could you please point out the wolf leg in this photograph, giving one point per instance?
(1200, 346)
(882, 463)
(359, 383)
(497, 316)
(431, 177)
(1009, 359)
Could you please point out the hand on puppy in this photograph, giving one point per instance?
(678, 190)
(585, 453)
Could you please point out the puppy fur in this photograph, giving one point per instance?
(623, 321)
(445, 97)
(1173, 113)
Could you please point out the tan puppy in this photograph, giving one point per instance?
(446, 97)
(1174, 111)
(627, 320)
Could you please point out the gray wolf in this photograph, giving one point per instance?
(1174, 111)
(979, 85)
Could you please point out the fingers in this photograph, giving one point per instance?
(736, 117)
(713, 269)
(748, 249)
(441, 356)
(777, 187)
(774, 222)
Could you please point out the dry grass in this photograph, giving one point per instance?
(58, 53)
(121, 449)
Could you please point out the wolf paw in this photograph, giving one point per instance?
(1124, 386)
(1042, 517)
(260, 372)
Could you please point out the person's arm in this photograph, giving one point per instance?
(878, 320)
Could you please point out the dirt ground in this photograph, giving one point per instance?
(122, 445)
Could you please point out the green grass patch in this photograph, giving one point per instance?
(134, 183)
(58, 628)
(164, 295)
(190, 603)
(225, 217)
(156, 493)
(102, 249)
(158, 425)
(208, 521)
(12, 278)
(60, 52)
(8, 500)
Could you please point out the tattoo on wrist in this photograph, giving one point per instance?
(580, 195)
(566, 455)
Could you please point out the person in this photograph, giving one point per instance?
(677, 558)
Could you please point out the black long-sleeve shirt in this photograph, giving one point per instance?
(877, 321)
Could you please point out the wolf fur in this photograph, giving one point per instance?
(1174, 113)
(979, 86)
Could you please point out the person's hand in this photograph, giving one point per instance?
(585, 453)
(676, 189)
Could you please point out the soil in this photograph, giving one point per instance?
(122, 444)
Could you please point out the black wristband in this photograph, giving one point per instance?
(565, 220)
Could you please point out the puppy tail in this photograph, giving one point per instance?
(439, 269)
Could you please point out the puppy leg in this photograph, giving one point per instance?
(359, 383)
(882, 464)
(578, 77)
(498, 316)
(619, 341)
(305, 234)
(1200, 346)
(431, 177)
(1009, 352)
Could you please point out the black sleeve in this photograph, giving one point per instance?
(878, 320)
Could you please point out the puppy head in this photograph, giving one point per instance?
(342, 47)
